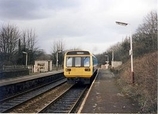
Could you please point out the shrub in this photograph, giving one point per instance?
(144, 89)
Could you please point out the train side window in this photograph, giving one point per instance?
(95, 61)
(69, 61)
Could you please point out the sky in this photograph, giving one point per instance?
(85, 24)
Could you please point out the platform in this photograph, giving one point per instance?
(106, 97)
(27, 77)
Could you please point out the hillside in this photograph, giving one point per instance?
(144, 90)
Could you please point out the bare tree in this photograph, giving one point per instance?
(9, 35)
(41, 55)
(145, 37)
(58, 45)
(144, 40)
(29, 39)
(28, 44)
(58, 48)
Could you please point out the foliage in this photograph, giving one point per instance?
(145, 52)
(145, 39)
(57, 51)
(27, 43)
(121, 50)
(101, 58)
(14, 42)
(9, 35)
(144, 89)
(41, 55)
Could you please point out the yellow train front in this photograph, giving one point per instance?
(80, 66)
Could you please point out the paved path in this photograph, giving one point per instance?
(105, 97)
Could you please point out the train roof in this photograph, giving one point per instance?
(78, 52)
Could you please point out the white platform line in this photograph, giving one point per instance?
(83, 103)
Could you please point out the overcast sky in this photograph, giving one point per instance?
(86, 24)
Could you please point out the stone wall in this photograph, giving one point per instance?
(13, 73)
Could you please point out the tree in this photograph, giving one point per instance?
(145, 38)
(101, 58)
(58, 48)
(29, 39)
(41, 55)
(27, 44)
(9, 36)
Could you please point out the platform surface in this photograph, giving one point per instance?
(27, 77)
(106, 97)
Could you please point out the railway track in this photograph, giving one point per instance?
(11, 103)
(67, 102)
(47, 99)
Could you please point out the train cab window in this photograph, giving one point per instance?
(69, 61)
(86, 61)
(77, 61)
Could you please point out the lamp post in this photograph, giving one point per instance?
(107, 65)
(107, 58)
(112, 59)
(57, 57)
(26, 57)
(130, 51)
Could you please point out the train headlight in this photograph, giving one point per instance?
(87, 69)
(68, 69)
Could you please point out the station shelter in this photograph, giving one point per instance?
(43, 65)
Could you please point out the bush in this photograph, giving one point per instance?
(144, 89)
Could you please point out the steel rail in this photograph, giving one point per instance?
(15, 101)
(66, 102)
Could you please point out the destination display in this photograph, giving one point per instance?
(78, 53)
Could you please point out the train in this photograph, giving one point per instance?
(80, 66)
